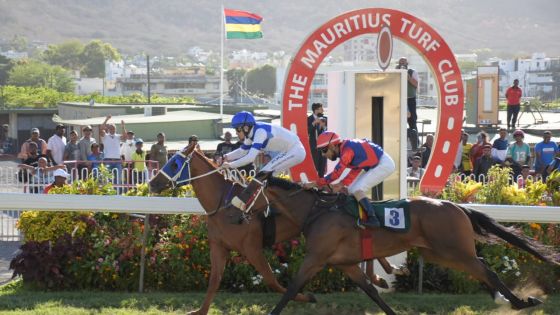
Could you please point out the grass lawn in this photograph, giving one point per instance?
(14, 299)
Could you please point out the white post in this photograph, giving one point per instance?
(222, 15)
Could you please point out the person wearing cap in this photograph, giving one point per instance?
(466, 166)
(128, 146)
(60, 177)
(138, 158)
(519, 151)
(158, 151)
(260, 136)
(41, 174)
(362, 165)
(415, 170)
(56, 145)
(500, 146)
(41, 145)
(545, 151)
(484, 163)
(84, 145)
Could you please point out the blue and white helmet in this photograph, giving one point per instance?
(242, 119)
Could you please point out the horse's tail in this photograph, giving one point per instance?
(483, 224)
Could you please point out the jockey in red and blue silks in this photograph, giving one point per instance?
(363, 164)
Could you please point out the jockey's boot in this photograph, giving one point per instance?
(248, 195)
(372, 220)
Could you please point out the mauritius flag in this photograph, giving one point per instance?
(242, 24)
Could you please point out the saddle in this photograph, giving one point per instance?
(393, 214)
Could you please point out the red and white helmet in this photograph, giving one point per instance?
(326, 138)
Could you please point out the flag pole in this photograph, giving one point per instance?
(222, 66)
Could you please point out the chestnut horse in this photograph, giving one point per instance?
(443, 232)
(224, 233)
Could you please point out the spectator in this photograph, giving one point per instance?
(72, 152)
(314, 128)
(476, 150)
(519, 151)
(545, 152)
(194, 139)
(111, 148)
(227, 146)
(500, 146)
(41, 174)
(128, 146)
(139, 160)
(553, 166)
(484, 163)
(466, 164)
(427, 149)
(85, 147)
(60, 177)
(95, 158)
(158, 151)
(6, 143)
(32, 155)
(412, 86)
(524, 176)
(56, 145)
(513, 96)
(415, 170)
(41, 145)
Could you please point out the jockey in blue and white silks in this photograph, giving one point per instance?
(257, 137)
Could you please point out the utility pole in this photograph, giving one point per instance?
(148, 70)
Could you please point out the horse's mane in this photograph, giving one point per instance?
(282, 183)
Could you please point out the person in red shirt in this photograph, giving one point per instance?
(513, 96)
(60, 177)
(362, 165)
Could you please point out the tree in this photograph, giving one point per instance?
(37, 74)
(94, 55)
(18, 43)
(235, 81)
(67, 55)
(262, 81)
(6, 65)
(89, 59)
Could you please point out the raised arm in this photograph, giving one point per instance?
(103, 127)
(123, 132)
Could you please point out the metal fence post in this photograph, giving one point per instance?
(143, 253)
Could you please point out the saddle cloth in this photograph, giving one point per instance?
(393, 214)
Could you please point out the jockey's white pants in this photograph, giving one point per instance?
(366, 180)
(285, 160)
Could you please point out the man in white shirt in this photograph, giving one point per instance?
(128, 146)
(112, 147)
(56, 145)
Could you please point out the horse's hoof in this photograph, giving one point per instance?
(382, 283)
(312, 298)
(402, 271)
(533, 301)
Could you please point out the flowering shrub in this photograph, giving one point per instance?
(67, 250)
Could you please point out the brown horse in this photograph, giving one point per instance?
(223, 235)
(443, 232)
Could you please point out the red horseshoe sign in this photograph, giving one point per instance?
(413, 31)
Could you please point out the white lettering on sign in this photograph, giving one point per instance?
(296, 87)
(418, 34)
(345, 28)
(445, 68)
